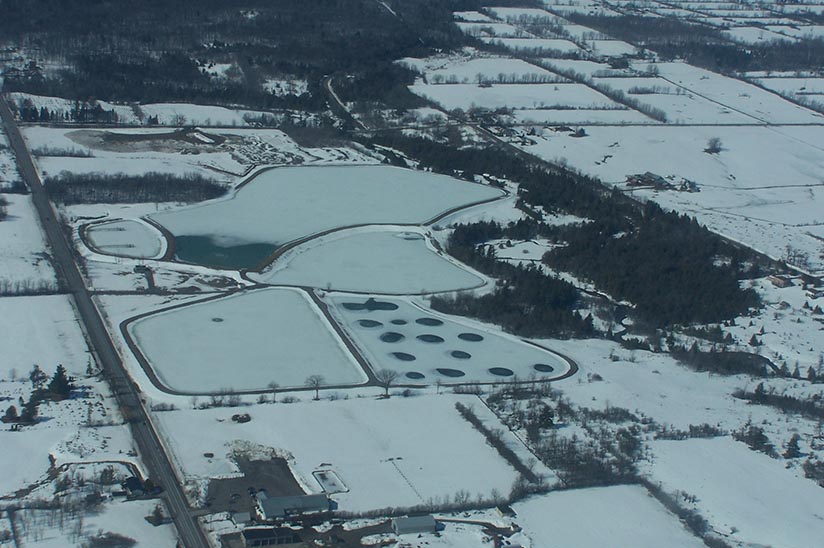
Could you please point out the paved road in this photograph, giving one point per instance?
(151, 450)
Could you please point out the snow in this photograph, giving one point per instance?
(24, 260)
(244, 342)
(468, 69)
(747, 495)
(611, 48)
(128, 238)
(580, 117)
(40, 330)
(622, 516)
(561, 96)
(495, 350)
(518, 15)
(286, 86)
(383, 457)
(391, 261)
(763, 189)
(472, 16)
(284, 204)
(491, 29)
(545, 44)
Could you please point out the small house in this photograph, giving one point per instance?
(270, 536)
(134, 487)
(780, 281)
(414, 524)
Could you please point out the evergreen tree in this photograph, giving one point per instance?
(61, 384)
(37, 377)
(792, 451)
(11, 414)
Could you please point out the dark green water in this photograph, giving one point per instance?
(204, 251)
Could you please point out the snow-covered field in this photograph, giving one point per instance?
(391, 261)
(580, 117)
(471, 69)
(561, 96)
(763, 187)
(543, 45)
(24, 261)
(284, 204)
(425, 347)
(244, 342)
(128, 238)
(399, 452)
(745, 495)
(624, 516)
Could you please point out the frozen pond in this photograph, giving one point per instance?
(284, 204)
(244, 342)
(391, 262)
(425, 347)
(127, 238)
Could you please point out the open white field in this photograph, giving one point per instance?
(8, 167)
(168, 114)
(466, 96)
(737, 95)
(611, 48)
(755, 35)
(587, 68)
(579, 33)
(765, 180)
(244, 342)
(398, 452)
(485, 28)
(744, 494)
(284, 204)
(541, 45)
(804, 32)
(424, 347)
(810, 87)
(24, 261)
(468, 69)
(127, 238)
(395, 261)
(625, 516)
(40, 330)
(472, 16)
(580, 117)
(523, 15)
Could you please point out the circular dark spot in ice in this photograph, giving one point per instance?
(501, 371)
(391, 337)
(426, 337)
(447, 372)
(472, 337)
(398, 322)
(217, 320)
(543, 368)
(431, 322)
(404, 357)
(414, 375)
(369, 323)
(460, 355)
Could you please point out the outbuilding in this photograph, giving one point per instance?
(414, 524)
(283, 507)
(270, 536)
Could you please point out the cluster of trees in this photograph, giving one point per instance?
(149, 51)
(81, 111)
(755, 438)
(527, 301)
(56, 388)
(674, 270)
(722, 362)
(91, 188)
(812, 408)
(705, 46)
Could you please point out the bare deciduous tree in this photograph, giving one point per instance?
(385, 378)
(316, 382)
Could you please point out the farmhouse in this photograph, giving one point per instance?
(780, 281)
(414, 524)
(270, 536)
(283, 507)
(647, 179)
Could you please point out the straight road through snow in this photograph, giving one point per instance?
(148, 443)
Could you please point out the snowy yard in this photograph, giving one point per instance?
(24, 261)
(383, 457)
(390, 261)
(244, 342)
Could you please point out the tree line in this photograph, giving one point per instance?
(94, 188)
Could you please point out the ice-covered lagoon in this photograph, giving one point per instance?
(281, 205)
